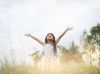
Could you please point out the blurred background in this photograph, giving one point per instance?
(40, 17)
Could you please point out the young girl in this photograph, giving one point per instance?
(50, 51)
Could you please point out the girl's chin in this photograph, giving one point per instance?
(50, 40)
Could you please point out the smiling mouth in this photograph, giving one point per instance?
(50, 39)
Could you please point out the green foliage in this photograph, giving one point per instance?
(95, 33)
(90, 41)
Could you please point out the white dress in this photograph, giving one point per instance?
(48, 59)
(48, 52)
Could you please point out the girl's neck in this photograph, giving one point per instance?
(50, 42)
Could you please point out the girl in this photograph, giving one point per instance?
(50, 51)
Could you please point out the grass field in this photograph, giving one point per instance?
(69, 68)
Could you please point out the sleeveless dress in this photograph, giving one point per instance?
(48, 52)
(49, 59)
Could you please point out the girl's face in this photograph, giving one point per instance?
(50, 37)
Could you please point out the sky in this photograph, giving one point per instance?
(40, 17)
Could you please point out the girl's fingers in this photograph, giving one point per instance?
(27, 34)
(69, 28)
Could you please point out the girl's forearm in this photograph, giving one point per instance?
(58, 39)
(37, 39)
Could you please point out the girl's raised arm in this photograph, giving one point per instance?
(58, 39)
(35, 38)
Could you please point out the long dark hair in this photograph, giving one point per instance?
(53, 42)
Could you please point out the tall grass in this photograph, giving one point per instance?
(7, 67)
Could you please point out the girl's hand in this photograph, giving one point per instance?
(28, 34)
(69, 28)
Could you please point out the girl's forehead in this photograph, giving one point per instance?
(49, 34)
